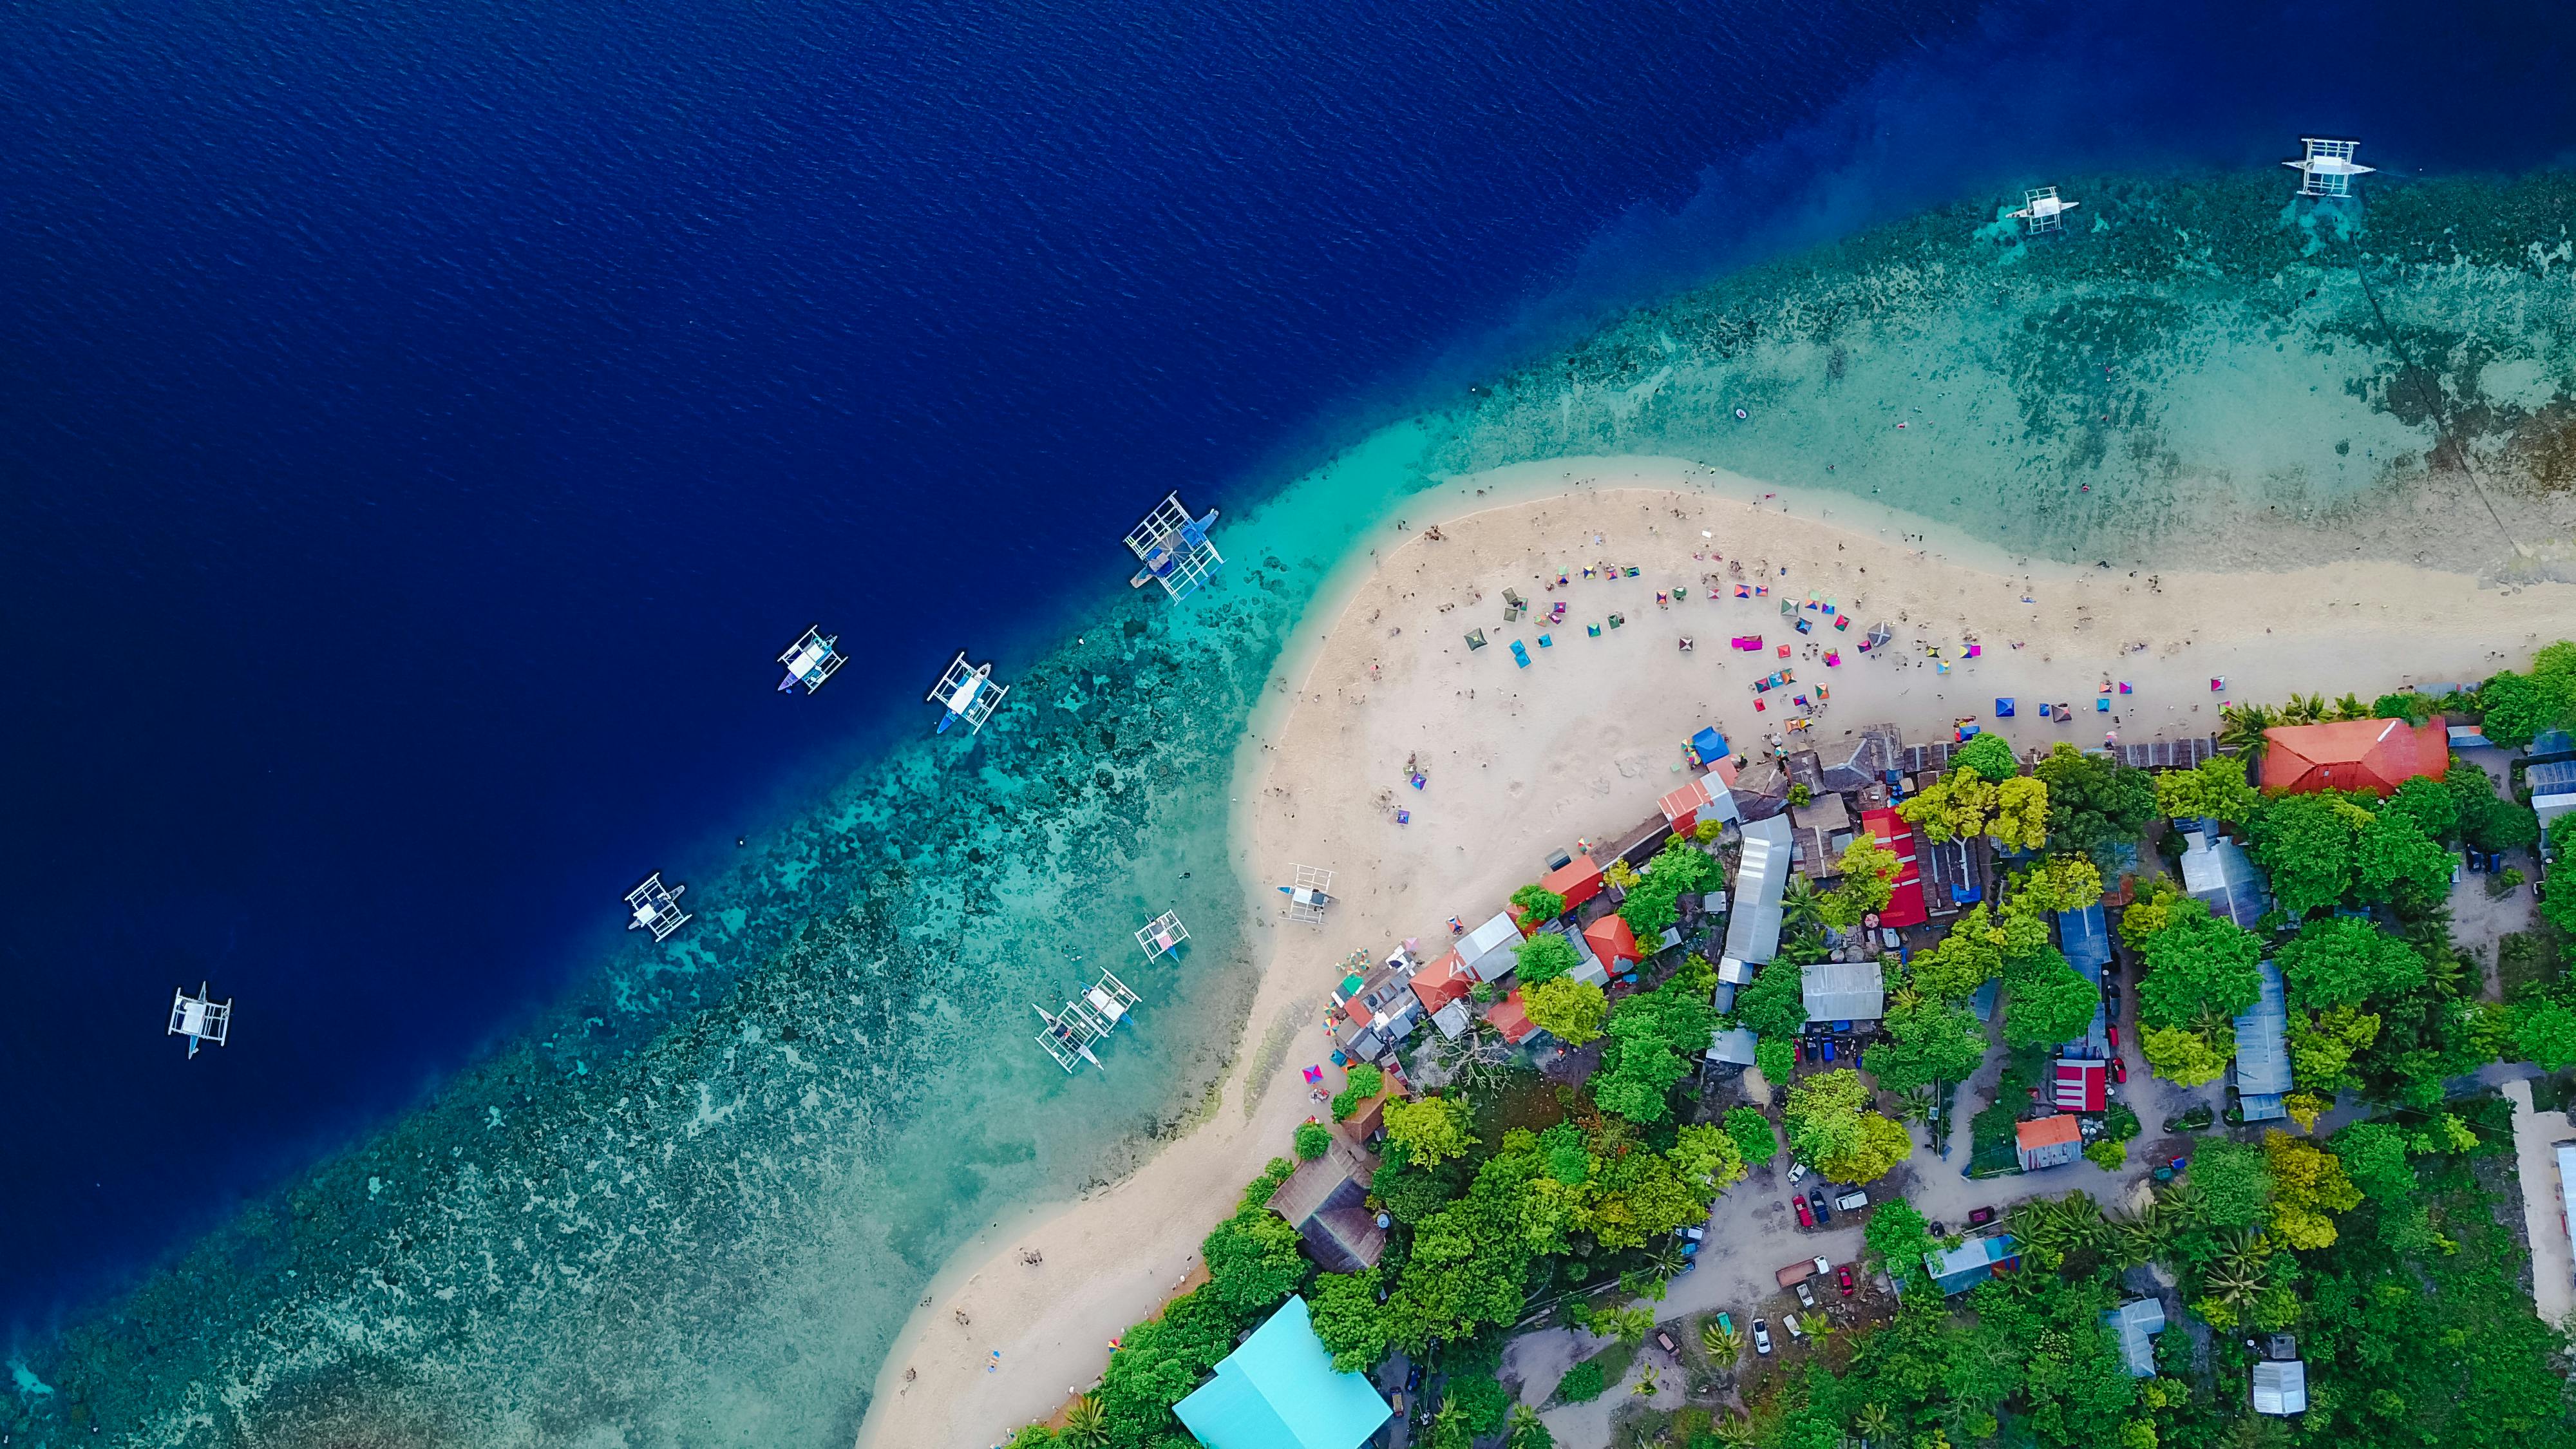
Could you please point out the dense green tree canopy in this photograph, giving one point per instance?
(2095, 805)
(1775, 1004)
(1544, 957)
(2346, 960)
(1538, 903)
(1924, 1040)
(1567, 1009)
(2306, 843)
(1988, 755)
(1654, 1038)
(1679, 868)
(2198, 965)
(2216, 788)
(2047, 1001)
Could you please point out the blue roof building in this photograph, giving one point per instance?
(2263, 1051)
(1279, 1391)
(2216, 870)
(2086, 940)
(1971, 1263)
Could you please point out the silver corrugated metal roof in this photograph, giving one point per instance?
(1753, 931)
(2280, 1387)
(2215, 869)
(1844, 991)
(2137, 1322)
(2262, 1040)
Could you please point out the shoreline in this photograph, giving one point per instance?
(1303, 770)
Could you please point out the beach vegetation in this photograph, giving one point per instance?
(2309, 1189)
(1567, 1009)
(2430, 804)
(1869, 871)
(1314, 1139)
(2106, 1154)
(1801, 794)
(1960, 962)
(1756, 1143)
(1654, 1038)
(2058, 883)
(2198, 966)
(1538, 903)
(1774, 1003)
(2323, 1043)
(1360, 1087)
(2097, 808)
(2519, 706)
(1801, 904)
(1923, 1040)
(1679, 868)
(1544, 957)
(1989, 755)
(2544, 1032)
(2412, 706)
(2242, 730)
(1429, 1130)
(2047, 1001)
(2215, 788)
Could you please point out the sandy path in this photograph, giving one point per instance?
(1580, 744)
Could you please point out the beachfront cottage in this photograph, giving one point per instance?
(2217, 872)
(2137, 1322)
(1511, 1018)
(2262, 1066)
(1905, 901)
(1492, 950)
(2048, 1142)
(1278, 1390)
(1862, 760)
(2377, 755)
(1707, 797)
(1578, 880)
(1326, 1202)
(1613, 943)
(1844, 991)
(1971, 1263)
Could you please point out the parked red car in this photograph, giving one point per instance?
(1844, 1277)
(1806, 1219)
(2114, 1030)
(2119, 1071)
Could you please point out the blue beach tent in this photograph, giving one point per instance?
(1279, 1391)
(1710, 746)
(2003, 708)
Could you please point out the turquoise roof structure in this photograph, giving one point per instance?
(1279, 1391)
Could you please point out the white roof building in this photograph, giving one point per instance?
(2137, 1322)
(1753, 931)
(1492, 949)
(1732, 1045)
(2263, 1051)
(2281, 1387)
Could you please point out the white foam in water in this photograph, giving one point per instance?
(696, 1208)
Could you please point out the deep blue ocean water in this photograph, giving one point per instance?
(421, 425)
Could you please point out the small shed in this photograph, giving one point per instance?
(2280, 1387)
(2216, 870)
(1492, 950)
(1733, 1046)
(1452, 1018)
(1706, 797)
(2137, 1322)
(2048, 1142)
(1511, 1018)
(1971, 1263)
(1613, 943)
(1279, 1390)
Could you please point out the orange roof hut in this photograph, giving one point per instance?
(2377, 755)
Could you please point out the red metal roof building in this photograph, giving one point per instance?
(1905, 903)
(2082, 1085)
(2048, 1142)
(1507, 1017)
(2377, 755)
(1614, 943)
(1681, 808)
(1443, 981)
(1578, 880)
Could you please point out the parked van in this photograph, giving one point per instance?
(1852, 1201)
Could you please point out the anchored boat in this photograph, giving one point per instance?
(967, 693)
(1085, 1020)
(656, 908)
(811, 660)
(200, 1018)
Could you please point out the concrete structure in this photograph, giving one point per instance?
(2137, 1322)
(2355, 754)
(1279, 1391)
(2048, 1142)
(1325, 1201)
(2262, 1065)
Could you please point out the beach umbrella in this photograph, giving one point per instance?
(1879, 634)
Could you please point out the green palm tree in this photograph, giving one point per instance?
(1724, 1345)
(1528, 1430)
(2303, 709)
(1807, 948)
(1629, 1325)
(1665, 1259)
(1085, 1426)
(2241, 728)
(1646, 1384)
(2351, 707)
(1801, 904)
(1736, 1433)
(1449, 1427)
(1875, 1423)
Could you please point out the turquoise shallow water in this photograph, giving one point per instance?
(695, 1206)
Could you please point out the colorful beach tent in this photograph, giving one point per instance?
(1710, 746)
(1279, 1391)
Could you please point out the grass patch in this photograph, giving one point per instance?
(2526, 961)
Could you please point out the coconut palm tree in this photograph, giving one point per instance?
(1665, 1259)
(2303, 709)
(1736, 1433)
(1085, 1426)
(1801, 904)
(2351, 707)
(1629, 1325)
(1646, 1384)
(2241, 728)
(1528, 1431)
(1807, 948)
(1875, 1424)
(1723, 1345)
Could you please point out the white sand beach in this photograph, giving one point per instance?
(1523, 761)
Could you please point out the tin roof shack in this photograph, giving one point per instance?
(1861, 759)
(1325, 1201)
(2168, 754)
(2137, 1322)
(2217, 871)
(2085, 938)
(2048, 1142)
(2263, 1051)
(1492, 950)
(1819, 830)
(1761, 790)
(1704, 798)
(1733, 1046)
(2082, 1085)
(1844, 991)
(1957, 874)
(2280, 1387)
(1971, 1263)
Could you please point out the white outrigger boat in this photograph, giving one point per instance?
(811, 660)
(2328, 168)
(1085, 1019)
(967, 693)
(2043, 209)
(656, 908)
(1174, 549)
(200, 1018)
